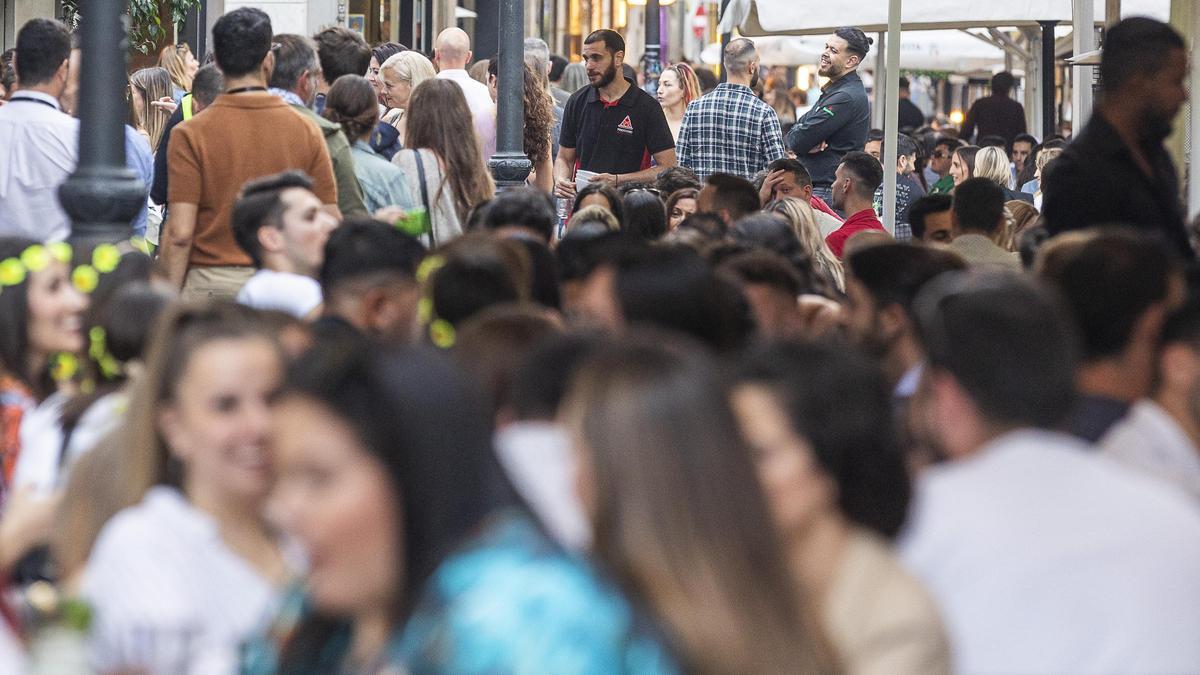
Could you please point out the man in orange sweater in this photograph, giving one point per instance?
(245, 134)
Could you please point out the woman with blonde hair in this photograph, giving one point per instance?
(678, 515)
(189, 569)
(182, 65)
(804, 222)
(443, 169)
(399, 76)
(677, 87)
(147, 87)
(1043, 160)
(992, 163)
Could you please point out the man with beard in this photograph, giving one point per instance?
(854, 185)
(611, 128)
(730, 130)
(839, 121)
(1117, 170)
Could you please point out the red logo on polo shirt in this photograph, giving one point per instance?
(626, 125)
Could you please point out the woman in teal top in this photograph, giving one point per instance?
(422, 560)
(351, 103)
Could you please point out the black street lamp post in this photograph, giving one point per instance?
(102, 196)
(652, 60)
(510, 167)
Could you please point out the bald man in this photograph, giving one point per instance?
(452, 53)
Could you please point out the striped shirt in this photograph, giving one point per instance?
(729, 130)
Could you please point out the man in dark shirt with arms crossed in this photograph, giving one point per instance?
(611, 127)
(839, 121)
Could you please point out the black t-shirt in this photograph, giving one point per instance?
(615, 137)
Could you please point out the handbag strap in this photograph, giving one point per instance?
(425, 195)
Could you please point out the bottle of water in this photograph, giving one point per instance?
(564, 208)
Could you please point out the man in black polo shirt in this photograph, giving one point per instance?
(611, 127)
(839, 121)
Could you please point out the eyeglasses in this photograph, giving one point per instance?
(653, 191)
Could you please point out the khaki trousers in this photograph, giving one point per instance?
(215, 283)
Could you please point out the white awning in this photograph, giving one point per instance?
(811, 17)
(949, 50)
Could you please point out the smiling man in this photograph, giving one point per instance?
(841, 117)
(611, 127)
(839, 121)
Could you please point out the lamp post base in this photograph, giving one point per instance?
(510, 169)
(102, 202)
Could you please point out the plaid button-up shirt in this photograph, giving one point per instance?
(729, 130)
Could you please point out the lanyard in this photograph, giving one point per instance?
(241, 90)
(28, 99)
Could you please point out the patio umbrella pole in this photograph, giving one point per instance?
(891, 116)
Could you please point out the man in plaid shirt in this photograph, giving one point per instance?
(730, 130)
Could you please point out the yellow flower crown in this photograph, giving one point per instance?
(105, 258)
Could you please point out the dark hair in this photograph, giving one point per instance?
(903, 83)
(967, 153)
(261, 204)
(875, 135)
(14, 329)
(1135, 47)
(42, 47)
(645, 215)
(612, 40)
(1003, 81)
(838, 401)
(798, 170)
(492, 345)
(1108, 282)
(420, 418)
(294, 55)
(351, 103)
(363, 247)
(857, 41)
(763, 267)
(867, 172)
(950, 142)
(1025, 138)
(615, 203)
(675, 178)
(905, 145)
(207, 84)
(540, 384)
(557, 65)
(523, 207)
(241, 40)
(1006, 341)
(733, 194)
(895, 273)
(979, 206)
(675, 289)
(678, 196)
(775, 233)
(709, 225)
(478, 271)
(342, 52)
(992, 141)
(922, 208)
(1183, 326)
(707, 79)
(543, 272)
(385, 50)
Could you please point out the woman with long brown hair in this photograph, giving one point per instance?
(146, 87)
(677, 512)
(539, 124)
(189, 569)
(442, 161)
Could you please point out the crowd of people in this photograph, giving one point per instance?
(683, 403)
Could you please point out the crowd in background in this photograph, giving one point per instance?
(682, 403)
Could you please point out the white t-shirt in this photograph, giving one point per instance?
(1046, 558)
(539, 460)
(168, 595)
(483, 109)
(1150, 441)
(43, 463)
(295, 294)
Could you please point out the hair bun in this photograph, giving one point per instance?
(870, 40)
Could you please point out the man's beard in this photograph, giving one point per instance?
(1155, 126)
(754, 79)
(607, 78)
